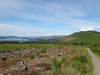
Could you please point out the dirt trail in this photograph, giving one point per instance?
(96, 62)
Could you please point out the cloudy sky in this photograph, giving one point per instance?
(48, 17)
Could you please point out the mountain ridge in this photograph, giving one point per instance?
(82, 36)
(32, 38)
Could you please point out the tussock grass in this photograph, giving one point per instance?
(78, 63)
(69, 70)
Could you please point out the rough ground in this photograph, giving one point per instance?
(96, 62)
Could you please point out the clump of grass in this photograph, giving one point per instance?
(32, 57)
(7, 50)
(22, 70)
(43, 51)
(63, 59)
(59, 55)
(57, 64)
(68, 70)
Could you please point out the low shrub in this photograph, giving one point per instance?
(22, 70)
(32, 57)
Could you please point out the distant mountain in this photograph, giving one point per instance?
(15, 38)
(50, 37)
(82, 36)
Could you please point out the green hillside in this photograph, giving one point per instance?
(83, 36)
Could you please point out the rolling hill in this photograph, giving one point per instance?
(82, 36)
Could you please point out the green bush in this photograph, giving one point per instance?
(63, 59)
(43, 51)
(7, 50)
(58, 55)
(32, 57)
(22, 70)
(56, 63)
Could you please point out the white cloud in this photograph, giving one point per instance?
(27, 34)
(66, 13)
(13, 30)
(90, 28)
(83, 29)
(87, 29)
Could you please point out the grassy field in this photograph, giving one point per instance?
(45, 59)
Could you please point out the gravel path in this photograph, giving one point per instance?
(96, 62)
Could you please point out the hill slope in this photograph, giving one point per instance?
(83, 36)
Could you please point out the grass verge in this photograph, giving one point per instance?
(78, 63)
(95, 48)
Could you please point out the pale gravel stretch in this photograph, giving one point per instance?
(96, 62)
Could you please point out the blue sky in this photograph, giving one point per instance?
(48, 17)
